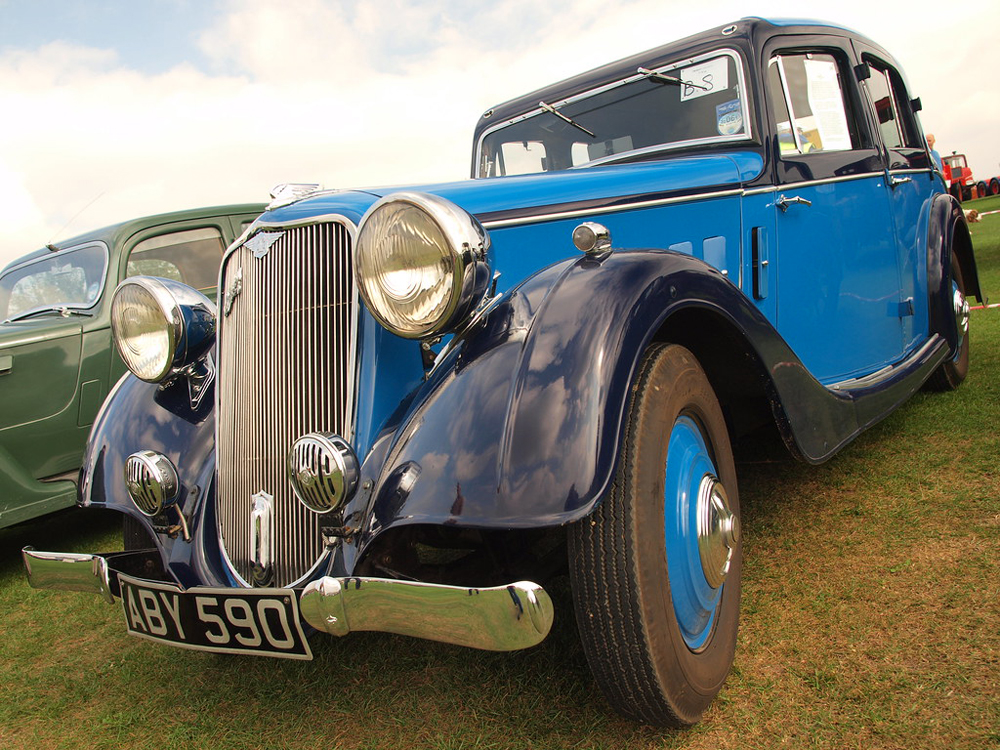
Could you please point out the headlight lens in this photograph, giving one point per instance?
(160, 326)
(421, 263)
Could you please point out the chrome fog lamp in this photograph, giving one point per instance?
(323, 471)
(160, 326)
(422, 263)
(152, 482)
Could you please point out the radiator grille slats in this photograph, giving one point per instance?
(286, 368)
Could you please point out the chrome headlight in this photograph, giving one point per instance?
(160, 326)
(422, 263)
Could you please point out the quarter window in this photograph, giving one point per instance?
(895, 121)
(808, 104)
(191, 257)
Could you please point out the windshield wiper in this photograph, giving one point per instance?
(664, 78)
(549, 108)
(62, 310)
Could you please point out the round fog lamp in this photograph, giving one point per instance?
(323, 471)
(152, 482)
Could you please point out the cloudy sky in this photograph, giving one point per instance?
(112, 109)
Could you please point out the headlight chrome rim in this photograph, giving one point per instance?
(463, 264)
(181, 317)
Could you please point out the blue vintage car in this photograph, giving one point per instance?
(411, 408)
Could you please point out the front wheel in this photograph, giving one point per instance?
(655, 570)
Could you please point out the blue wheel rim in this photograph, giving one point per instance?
(695, 602)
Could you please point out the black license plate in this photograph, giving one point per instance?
(231, 621)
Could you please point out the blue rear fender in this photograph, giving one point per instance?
(948, 234)
(519, 424)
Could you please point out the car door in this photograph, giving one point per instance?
(43, 356)
(910, 181)
(837, 277)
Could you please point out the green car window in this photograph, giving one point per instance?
(73, 278)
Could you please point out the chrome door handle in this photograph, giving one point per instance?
(894, 181)
(783, 202)
(6, 364)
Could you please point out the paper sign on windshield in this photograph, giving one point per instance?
(705, 78)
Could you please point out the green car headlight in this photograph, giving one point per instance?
(160, 326)
(422, 263)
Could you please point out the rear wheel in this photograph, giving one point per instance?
(951, 373)
(994, 186)
(655, 570)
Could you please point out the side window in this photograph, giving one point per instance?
(808, 103)
(191, 256)
(895, 119)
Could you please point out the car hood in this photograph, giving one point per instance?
(495, 197)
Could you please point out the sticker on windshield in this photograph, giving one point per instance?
(729, 118)
(705, 78)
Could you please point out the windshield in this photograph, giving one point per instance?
(71, 279)
(696, 101)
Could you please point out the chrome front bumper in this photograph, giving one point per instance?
(501, 618)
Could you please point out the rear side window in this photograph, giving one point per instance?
(895, 119)
(191, 256)
(808, 103)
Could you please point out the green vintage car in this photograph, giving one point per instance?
(57, 362)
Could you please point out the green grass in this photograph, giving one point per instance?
(870, 620)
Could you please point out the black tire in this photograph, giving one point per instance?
(625, 608)
(981, 190)
(994, 186)
(950, 374)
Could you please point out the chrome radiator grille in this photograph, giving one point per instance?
(287, 321)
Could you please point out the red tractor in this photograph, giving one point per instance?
(961, 184)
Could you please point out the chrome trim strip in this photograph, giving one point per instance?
(501, 618)
(577, 213)
(67, 571)
(749, 135)
(813, 183)
(886, 372)
(639, 204)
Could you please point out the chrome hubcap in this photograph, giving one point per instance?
(718, 531)
(961, 311)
